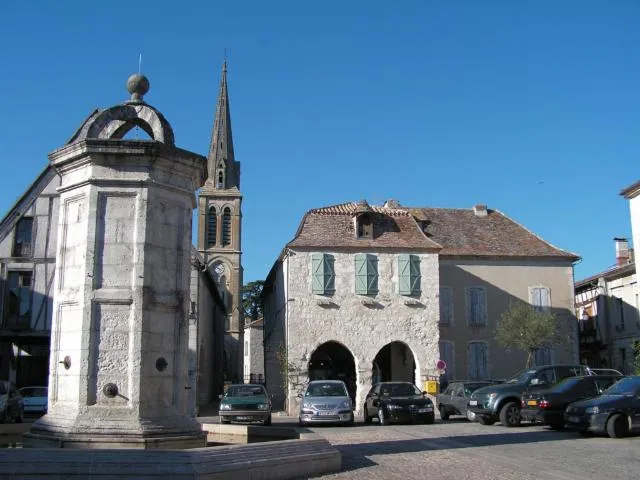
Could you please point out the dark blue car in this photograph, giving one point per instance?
(616, 412)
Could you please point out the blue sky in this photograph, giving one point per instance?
(529, 107)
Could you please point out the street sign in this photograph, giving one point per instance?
(441, 365)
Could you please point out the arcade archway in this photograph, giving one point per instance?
(394, 363)
(333, 361)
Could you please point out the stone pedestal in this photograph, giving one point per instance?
(118, 371)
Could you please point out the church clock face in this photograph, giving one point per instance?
(219, 270)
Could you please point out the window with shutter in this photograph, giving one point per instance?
(409, 274)
(366, 274)
(476, 306)
(322, 274)
(540, 298)
(446, 305)
(226, 227)
(22, 240)
(477, 360)
(212, 226)
(447, 354)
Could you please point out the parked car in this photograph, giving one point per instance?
(397, 402)
(34, 399)
(11, 408)
(245, 403)
(326, 401)
(548, 406)
(605, 371)
(616, 412)
(455, 398)
(502, 401)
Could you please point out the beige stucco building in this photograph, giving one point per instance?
(368, 293)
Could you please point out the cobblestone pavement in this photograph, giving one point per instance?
(462, 450)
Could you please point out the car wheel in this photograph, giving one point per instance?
(443, 412)
(510, 415)
(470, 415)
(267, 421)
(367, 418)
(382, 417)
(484, 420)
(618, 426)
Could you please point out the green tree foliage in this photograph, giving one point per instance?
(251, 299)
(525, 328)
(636, 357)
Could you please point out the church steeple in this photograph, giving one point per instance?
(224, 172)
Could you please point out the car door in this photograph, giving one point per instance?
(371, 400)
(447, 399)
(458, 399)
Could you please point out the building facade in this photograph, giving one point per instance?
(219, 229)
(368, 293)
(254, 351)
(28, 243)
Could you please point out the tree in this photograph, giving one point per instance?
(636, 357)
(252, 299)
(524, 327)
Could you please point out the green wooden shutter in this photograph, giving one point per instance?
(329, 274)
(414, 271)
(404, 275)
(317, 273)
(361, 274)
(372, 274)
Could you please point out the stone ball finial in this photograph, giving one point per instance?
(137, 85)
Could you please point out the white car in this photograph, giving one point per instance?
(326, 401)
(34, 399)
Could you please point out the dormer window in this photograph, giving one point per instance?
(364, 225)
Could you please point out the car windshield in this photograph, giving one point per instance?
(469, 388)
(522, 376)
(566, 384)
(399, 390)
(245, 391)
(33, 392)
(625, 386)
(326, 390)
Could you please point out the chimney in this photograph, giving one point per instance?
(480, 210)
(622, 251)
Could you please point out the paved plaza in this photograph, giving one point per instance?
(461, 450)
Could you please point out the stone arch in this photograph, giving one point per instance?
(333, 361)
(395, 362)
(115, 122)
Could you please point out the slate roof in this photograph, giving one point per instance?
(453, 232)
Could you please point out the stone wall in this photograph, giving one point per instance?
(342, 317)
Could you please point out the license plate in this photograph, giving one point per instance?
(325, 413)
(242, 419)
(533, 403)
(425, 410)
(573, 419)
(473, 403)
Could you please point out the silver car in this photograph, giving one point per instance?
(326, 401)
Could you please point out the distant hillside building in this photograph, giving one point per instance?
(372, 293)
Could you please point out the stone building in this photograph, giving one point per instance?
(28, 243)
(607, 311)
(254, 351)
(219, 228)
(372, 293)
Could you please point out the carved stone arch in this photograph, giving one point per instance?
(115, 122)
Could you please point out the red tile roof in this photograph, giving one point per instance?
(452, 232)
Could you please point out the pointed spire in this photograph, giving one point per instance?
(221, 147)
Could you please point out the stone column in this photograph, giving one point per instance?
(119, 339)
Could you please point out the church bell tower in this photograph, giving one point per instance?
(219, 229)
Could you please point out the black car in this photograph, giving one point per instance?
(455, 398)
(616, 412)
(397, 402)
(502, 402)
(548, 406)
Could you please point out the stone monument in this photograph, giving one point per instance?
(118, 368)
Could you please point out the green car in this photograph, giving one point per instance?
(245, 403)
